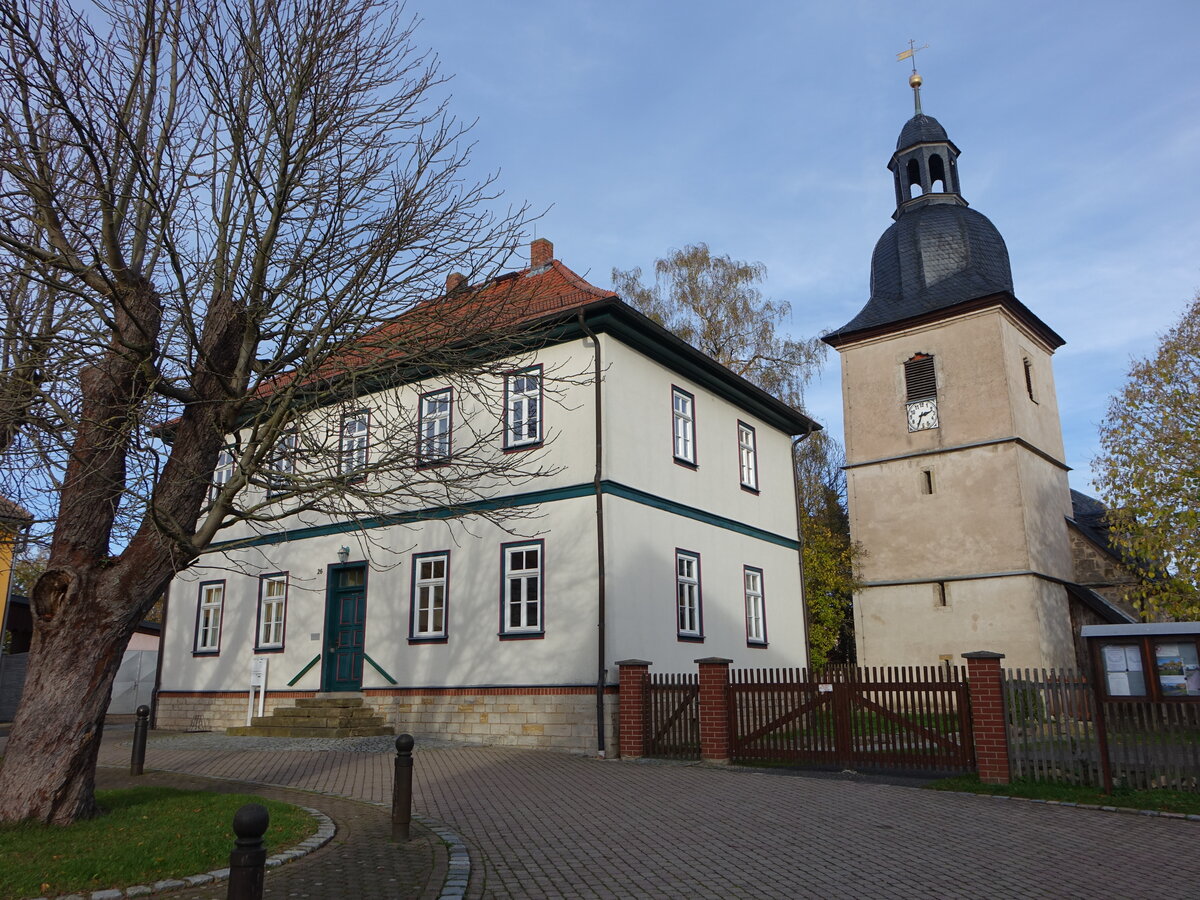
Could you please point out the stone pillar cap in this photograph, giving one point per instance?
(633, 662)
(983, 654)
(713, 660)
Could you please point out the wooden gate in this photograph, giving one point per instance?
(674, 706)
(895, 718)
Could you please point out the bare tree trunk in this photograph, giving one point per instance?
(50, 762)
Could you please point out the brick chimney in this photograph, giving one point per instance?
(541, 251)
(454, 281)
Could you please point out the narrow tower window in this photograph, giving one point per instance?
(939, 593)
(913, 172)
(937, 174)
(927, 481)
(1029, 379)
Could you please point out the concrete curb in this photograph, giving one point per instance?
(325, 832)
(1127, 810)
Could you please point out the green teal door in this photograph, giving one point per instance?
(345, 621)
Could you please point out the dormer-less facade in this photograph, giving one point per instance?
(663, 527)
(957, 483)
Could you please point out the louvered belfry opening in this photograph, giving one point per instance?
(919, 381)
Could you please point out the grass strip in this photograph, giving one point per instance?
(146, 834)
(1163, 800)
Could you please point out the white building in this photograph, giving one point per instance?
(664, 528)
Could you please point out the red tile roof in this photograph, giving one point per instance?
(468, 314)
(12, 513)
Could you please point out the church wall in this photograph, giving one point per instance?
(1046, 501)
(973, 401)
(971, 524)
(1035, 420)
(1025, 618)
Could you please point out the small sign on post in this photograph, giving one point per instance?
(258, 679)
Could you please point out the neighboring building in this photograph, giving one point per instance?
(14, 521)
(471, 630)
(954, 454)
(134, 684)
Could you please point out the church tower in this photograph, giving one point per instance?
(954, 453)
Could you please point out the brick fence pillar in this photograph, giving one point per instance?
(633, 703)
(987, 716)
(716, 742)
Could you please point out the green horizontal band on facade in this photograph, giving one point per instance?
(510, 501)
(312, 662)
(378, 668)
(690, 512)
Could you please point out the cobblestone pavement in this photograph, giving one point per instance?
(544, 824)
(360, 861)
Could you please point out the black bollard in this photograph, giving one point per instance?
(402, 788)
(140, 726)
(247, 861)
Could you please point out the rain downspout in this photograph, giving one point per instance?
(601, 671)
(800, 538)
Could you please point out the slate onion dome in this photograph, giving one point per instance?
(939, 252)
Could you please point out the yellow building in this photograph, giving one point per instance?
(13, 521)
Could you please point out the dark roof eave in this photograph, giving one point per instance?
(1102, 607)
(612, 315)
(840, 338)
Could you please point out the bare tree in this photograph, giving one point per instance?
(234, 201)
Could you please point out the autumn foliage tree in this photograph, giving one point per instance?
(209, 211)
(1149, 471)
(714, 303)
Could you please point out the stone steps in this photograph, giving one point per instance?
(318, 717)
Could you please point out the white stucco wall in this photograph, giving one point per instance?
(641, 547)
(639, 449)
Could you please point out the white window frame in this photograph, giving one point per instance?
(756, 606)
(354, 445)
(518, 578)
(223, 473)
(748, 456)
(689, 609)
(434, 426)
(425, 596)
(272, 611)
(683, 425)
(282, 464)
(210, 605)
(523, 408)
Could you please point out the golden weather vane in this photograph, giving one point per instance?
(914, 80)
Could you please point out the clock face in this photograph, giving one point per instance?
(922, 414)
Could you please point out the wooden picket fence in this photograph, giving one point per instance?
(1050, 726)
(914, 718)
(1055, 733)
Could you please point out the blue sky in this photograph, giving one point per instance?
(764, 129)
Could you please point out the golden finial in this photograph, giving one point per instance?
(914, 80)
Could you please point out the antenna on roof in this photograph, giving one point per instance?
(914, 80)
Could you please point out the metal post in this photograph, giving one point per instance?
(248, 859)
(140, 726)
(402, 788)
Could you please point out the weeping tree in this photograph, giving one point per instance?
(211, 215)
(714, 303)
